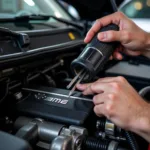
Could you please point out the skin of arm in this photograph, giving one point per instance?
(146, 53)
(114, 97)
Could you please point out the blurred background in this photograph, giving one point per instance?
(78, 10)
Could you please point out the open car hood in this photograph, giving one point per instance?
(92, 9)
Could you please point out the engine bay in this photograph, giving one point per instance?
(34, 101)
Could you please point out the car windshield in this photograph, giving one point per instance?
(137, 9)
(10, 8)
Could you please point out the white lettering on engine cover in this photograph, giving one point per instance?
(56, 100)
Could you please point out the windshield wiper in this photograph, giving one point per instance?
(27, 18)
(24, 18)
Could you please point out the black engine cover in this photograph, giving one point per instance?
(54, 104)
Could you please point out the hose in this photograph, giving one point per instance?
(145, 93)
(37, 75)
(45, 70)
(94, 144)
(131, 140)
(129, 136)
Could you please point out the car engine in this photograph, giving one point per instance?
(36, 112)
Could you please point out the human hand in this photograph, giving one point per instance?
(116, 99)
(134, 41)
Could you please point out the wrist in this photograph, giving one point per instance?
(146, 51)
(147, 41)
(147, 44)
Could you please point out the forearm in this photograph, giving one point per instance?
(142, 125)
(145, 133)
